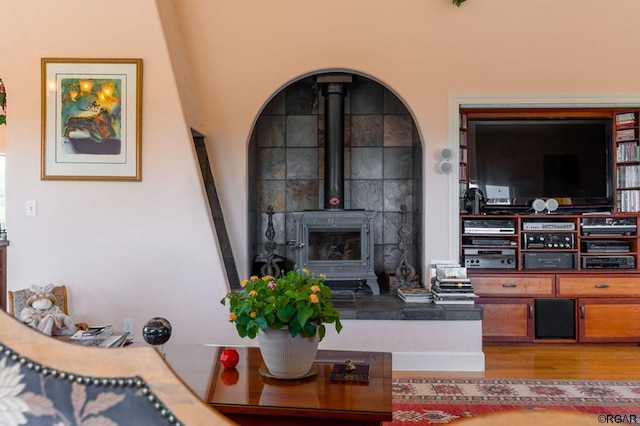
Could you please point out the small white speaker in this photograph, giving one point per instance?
(445, 167)
(446, 153)
(539, 205)
(551, 204)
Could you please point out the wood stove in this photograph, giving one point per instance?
(338, 244)
(334, 241)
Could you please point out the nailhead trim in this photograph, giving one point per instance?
(122, 382)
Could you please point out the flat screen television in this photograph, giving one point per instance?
(513, 162)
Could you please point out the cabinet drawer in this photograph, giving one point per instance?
(598, 286)
(506, 285)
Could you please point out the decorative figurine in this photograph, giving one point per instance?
(349, 366)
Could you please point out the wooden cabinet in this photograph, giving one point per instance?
(589, 262)
(513, 285)
(598, 286)
(508, 305)
(507, 319)
(607, 306)
(609, 319)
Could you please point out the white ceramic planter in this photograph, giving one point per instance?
(287, 357)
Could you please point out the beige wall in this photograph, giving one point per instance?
(136, 250)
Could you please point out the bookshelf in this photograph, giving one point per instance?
(463, 156)
(522, 291)
(627, 161)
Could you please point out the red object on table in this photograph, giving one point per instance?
(229, 358)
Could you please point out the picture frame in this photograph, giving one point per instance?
(91, 119)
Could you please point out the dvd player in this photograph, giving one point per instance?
(489, 226)
(608, 262)
(606, 246)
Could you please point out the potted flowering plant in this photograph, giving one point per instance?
(297, 301)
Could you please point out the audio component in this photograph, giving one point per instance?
(490, 258)
(605, 246)
(548, 241)
(548, 226)
(474, 201)
(608, 226)
(549, 260)
(445, 166)
(539, 205)
(492, 241)
(489, 226)
(608, 262)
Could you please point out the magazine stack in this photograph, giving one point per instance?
(415, 295)
(450, 286)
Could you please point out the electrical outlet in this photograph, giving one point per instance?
(127, 325)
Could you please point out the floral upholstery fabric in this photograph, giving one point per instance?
(36, 395)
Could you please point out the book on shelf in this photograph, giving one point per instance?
(625, 118)
(107, 338)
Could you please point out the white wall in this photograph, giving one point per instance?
(125, 249)
(136, 250)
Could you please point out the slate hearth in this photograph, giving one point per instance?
(389, 307)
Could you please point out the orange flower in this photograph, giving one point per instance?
(315, 288)
(313, 298)
(305, 271)
(253, 293)
(267, 278)
(244, 282)
(253, 315)
(233, 316)
(254, 278)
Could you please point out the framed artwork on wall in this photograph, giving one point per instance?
(91, 119)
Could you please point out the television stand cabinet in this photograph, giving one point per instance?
(554, 277)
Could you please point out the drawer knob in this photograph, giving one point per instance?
(510, 285)
(602, 286)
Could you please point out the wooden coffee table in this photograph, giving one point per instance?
(249, 398)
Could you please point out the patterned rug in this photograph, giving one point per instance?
(425, 401)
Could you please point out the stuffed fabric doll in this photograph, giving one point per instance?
(42, 314)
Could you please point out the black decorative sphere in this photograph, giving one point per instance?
(156, 331)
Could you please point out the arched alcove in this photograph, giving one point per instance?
(382, 168)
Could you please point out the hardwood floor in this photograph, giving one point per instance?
(552, 361)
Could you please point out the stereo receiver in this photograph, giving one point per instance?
(490, 258)
(548, 241)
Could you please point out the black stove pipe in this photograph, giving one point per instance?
(334, 90)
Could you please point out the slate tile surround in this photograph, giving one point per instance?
(383, 155)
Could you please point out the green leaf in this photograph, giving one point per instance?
(262, 323)
(304, 314)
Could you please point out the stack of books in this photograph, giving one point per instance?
(101, 336)
(415, 295)
(451, 286)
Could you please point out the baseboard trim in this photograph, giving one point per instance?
(438, 361)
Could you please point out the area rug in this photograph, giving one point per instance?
(428, 401)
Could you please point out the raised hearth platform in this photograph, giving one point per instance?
(422, 337)
(389, 307)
